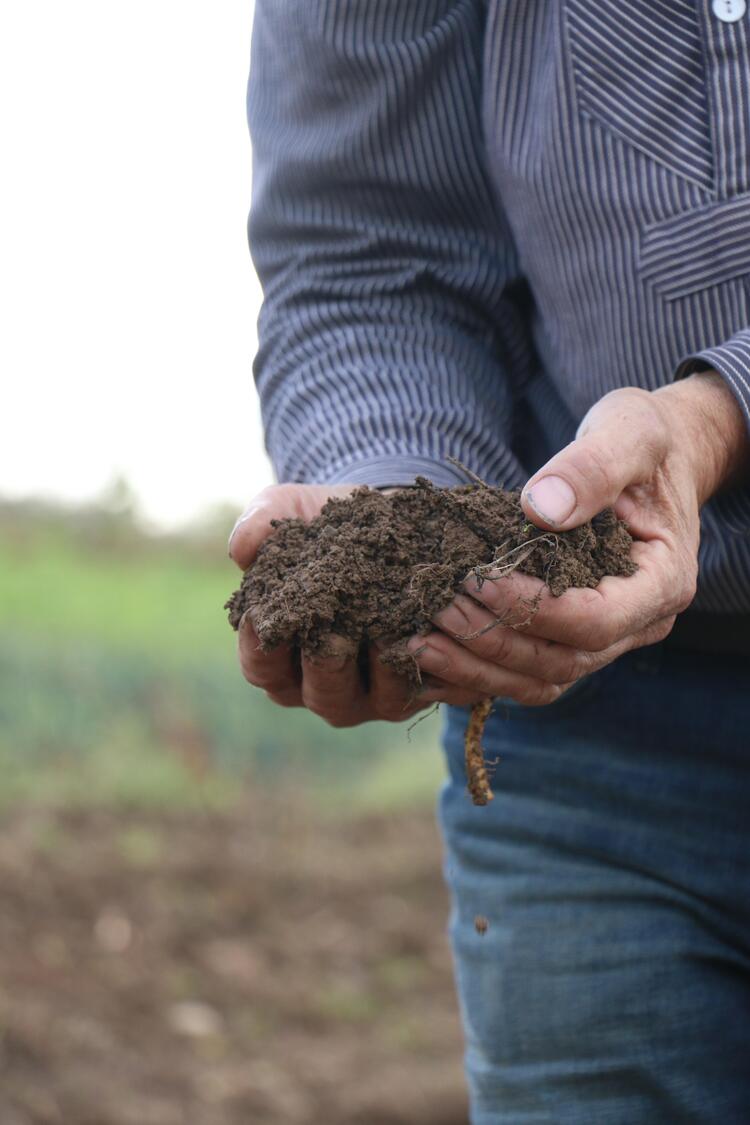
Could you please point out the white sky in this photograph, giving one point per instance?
(127, 297)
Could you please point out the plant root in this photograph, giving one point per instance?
(420, 719)
(502, 567)
(503, 619)
(476, 770)
(469, 472)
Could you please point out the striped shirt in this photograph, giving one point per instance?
(473, 218)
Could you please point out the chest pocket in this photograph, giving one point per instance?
(639, 73)
(698, 249)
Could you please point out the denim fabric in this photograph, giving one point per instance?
(612, 986)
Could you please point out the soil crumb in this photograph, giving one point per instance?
(376, 567)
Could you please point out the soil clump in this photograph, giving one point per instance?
(376, 567)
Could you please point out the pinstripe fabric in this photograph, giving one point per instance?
(473, 219)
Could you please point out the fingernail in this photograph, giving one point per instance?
(246, 515)
(553, 499)
(416, 645)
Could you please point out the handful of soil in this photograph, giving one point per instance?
(378, 566)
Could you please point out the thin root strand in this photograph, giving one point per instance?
(469, 472)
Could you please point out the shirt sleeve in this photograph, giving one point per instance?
(388, 327)
(732, 360)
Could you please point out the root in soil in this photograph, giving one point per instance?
(376, 567)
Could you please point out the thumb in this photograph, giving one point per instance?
(252, 527)
(277, 502)
(619, 442)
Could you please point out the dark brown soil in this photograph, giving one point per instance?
(377, 566)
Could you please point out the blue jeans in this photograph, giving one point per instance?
(612, 986)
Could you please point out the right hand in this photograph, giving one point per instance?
(329, 686)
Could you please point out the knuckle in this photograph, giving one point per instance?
(635, 396)
(487, 593)
(256, 677)
(455, 619)
(608, 635)
(595, 467)
(687, 591)
(570, 666)
(538, 694)
(330, 714)
(663, 628)
(581, 624)
(440, 662)
(586, 635)
(275, 492)
(600, 635)
(284, 698)
(316, 703)
(480, 680)
(339, 721)
(499, 644)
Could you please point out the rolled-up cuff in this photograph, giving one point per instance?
(384, 472)
(732, 361)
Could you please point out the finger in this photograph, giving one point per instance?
(392, 697)
(332, 686)
(620, 442)
(250, 530)
(273, 671)
(484, 634)
(478, 630)
(451, 662)
(591, 619)
(290, 698)
(465, 678)
(654, 633)
(279, 501)
(437, 691)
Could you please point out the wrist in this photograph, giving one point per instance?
(708, 429)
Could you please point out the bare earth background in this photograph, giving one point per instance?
(212, 912)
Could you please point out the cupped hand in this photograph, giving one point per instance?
(331, 686)
(655, 457)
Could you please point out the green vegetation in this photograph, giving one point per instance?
(118, 680)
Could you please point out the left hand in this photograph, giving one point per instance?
(655, 457)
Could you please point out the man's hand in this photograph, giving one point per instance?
(655, 457)
(330, 687)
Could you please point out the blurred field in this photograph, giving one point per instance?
(211, 911)
(114, 645)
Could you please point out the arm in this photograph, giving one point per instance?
(387, 326)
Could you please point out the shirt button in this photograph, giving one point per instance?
(729, 11)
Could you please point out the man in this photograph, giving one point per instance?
(517, 232)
